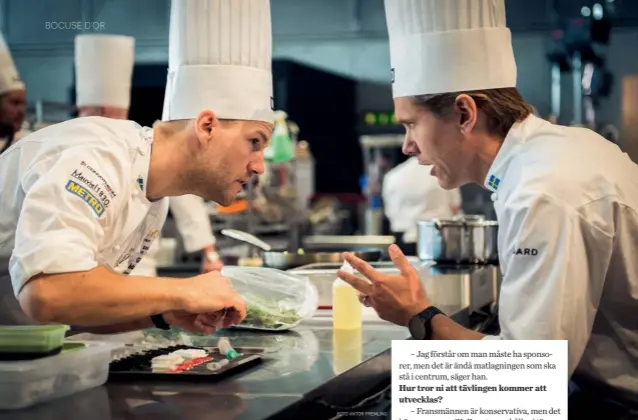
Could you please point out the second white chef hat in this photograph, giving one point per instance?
(440, 46)
(220, 54)
(9, 77)
(104, 70)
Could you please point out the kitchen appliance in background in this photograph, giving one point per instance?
(322, 104)
(467, 246)
(466, 240)
(578, 42)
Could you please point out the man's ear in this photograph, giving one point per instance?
(206, 124)
(467, 112)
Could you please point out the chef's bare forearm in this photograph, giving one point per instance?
(444, 328)
(98, 297)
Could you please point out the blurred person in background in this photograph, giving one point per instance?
(13, 100)
(411, 194)
(103, 72)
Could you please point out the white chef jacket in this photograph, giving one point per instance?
(567, 204)
(16, 137)
(411, 194)
(3, 142)
(193, 224)
(73, 197)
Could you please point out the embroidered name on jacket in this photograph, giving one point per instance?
(102, 195)
(78, 190)
(525, 251)
(107, 187)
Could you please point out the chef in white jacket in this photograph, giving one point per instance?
(13, 99)
(566, 199)
(410, 195)
(103, 74)
(82, 201)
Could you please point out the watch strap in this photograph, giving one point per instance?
(425, 318)
(160, 322)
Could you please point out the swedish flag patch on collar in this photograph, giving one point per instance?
(494, 182)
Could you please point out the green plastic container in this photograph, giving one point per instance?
(31, 341)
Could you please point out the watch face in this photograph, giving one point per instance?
(417, 328)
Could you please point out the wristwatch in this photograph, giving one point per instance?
(420, 324)
(160, 322)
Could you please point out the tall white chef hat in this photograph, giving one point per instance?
(9, 77)
(104, 69)
(440, 46)
(220, 54)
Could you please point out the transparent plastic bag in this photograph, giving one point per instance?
(275, 300)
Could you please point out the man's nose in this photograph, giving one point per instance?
(408, 146)
(257, 167)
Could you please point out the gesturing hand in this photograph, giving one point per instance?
(395, 297)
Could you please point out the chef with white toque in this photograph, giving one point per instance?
(566, 199)
(82, 201)
(13, 100)
(103, 74)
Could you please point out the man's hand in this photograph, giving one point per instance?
(395, 297)
(201, 323)
(211, 294)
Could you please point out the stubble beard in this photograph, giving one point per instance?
(211, 182)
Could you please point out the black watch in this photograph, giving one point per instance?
(159, 322)
(419, 325)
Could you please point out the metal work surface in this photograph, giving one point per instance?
(295, 363)
(310, 368)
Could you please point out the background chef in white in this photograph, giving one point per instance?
(103, 74)
(13, 99)
(82, 201)
(410, 194)
(566, 199)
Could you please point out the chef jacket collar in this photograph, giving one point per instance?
(143, 167)
(515, 138)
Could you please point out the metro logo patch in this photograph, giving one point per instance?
(80, 191)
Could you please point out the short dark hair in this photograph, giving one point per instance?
(502, 107)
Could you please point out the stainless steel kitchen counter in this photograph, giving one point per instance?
(295, 363)
(311, 368)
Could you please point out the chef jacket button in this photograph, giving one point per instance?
(494, 196)
(116, 247)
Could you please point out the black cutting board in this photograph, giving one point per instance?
(138, 366)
